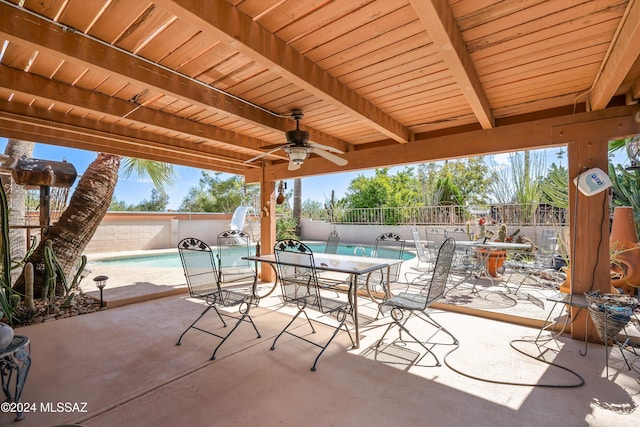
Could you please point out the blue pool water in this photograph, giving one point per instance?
(171, 260)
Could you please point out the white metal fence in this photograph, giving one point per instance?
(511, 214)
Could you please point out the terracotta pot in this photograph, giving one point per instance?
(565, 287)
(494, 260)
(624, 240)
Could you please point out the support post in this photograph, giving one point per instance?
(589, 231)
(267, 223)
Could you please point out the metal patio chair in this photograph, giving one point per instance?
(232, 246)
(300, 285)
(387, 245)
(531, 270)
(425, 259)
(203, 282)
(332, 242)
(418, 296)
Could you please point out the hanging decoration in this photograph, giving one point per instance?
(281, 187)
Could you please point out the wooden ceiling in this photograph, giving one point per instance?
(212, 84)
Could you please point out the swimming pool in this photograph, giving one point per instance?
(172, 259)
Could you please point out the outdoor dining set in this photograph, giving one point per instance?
(331, 283)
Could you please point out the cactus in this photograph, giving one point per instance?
(502, 232)
(55, 271)
(6, 291)
(28, 286)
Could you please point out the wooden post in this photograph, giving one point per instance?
(589, 231)
(267, 223)
(45, 208)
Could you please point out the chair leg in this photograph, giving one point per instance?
(244, 318)
(301, 310)
(403, 328)
(196, 321)
(428, 319)
(335, 332)
(401, 324)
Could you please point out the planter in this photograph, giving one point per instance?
(565, 287)
(493, 260)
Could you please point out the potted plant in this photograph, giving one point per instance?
(494, 258)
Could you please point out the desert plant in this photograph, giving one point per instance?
(7, 299)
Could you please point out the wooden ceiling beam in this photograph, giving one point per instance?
(20, 27)
(599, 125)
(62, 138)
(222, 20)
(438, 21)
(116, 109)
(621, 57)
(48, 126)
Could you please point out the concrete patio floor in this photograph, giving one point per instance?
(124, 364)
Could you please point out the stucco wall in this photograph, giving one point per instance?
(129, 231)
(120, 231)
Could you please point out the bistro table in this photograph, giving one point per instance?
(484, 251)
(354, 266)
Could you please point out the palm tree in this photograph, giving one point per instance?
(16, 195)
(87, 207)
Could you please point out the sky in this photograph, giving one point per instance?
(133, 190)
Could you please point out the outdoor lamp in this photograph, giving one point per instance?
(101, 282)
(633, 151)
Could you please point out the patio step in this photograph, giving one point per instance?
(136, 292)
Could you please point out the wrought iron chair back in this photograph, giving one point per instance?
(300, 285)
(546, 248)
(422, 254)
(202, 279)
(332, 242)
(389, 245)
(233, 245)
(418, 297)
(199, 266)
(531, 271)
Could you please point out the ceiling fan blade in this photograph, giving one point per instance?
(329, 156)
(325, 147)
(263, 154)
(293, 166)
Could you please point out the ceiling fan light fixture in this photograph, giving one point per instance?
(297, 136)
(297, 154)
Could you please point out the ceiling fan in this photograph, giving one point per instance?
(298, 147)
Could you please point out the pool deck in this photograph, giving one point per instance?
(124, 365)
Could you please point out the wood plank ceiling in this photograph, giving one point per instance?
(212, 83)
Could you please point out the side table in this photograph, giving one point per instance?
(566, 301)
(15, 358)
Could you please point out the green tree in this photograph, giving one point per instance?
(117, 205)
(384, 190)
(214, 194)
(468, 178)
(157, 203)
(313, 208)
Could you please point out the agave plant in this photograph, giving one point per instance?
(626, 187)
(626, 184)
